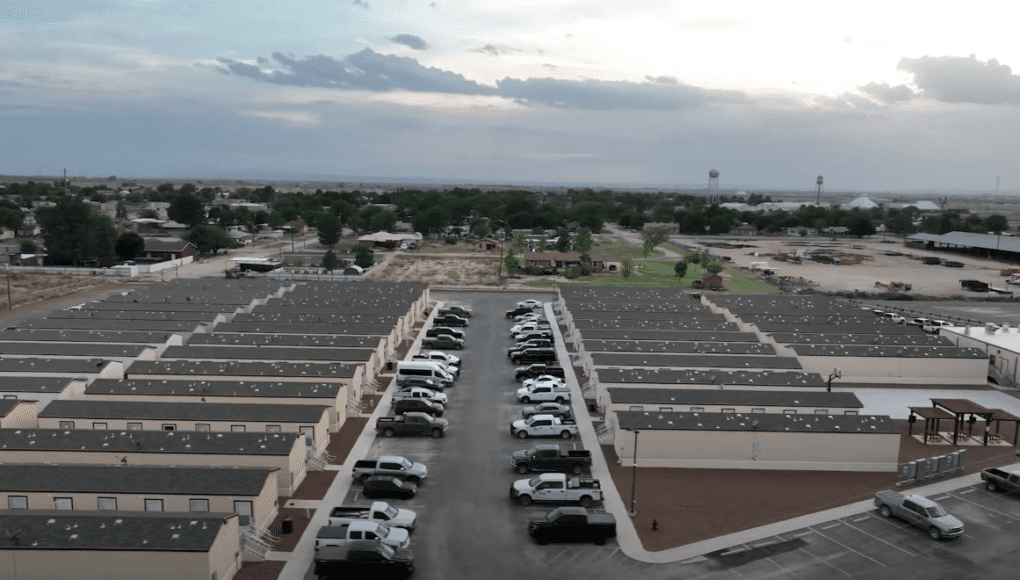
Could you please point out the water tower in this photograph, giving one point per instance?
(713, 179)
(818, 200)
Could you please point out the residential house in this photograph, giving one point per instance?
(165, 249)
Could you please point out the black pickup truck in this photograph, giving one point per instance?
(413, 423)
(532, 371)
(518, 311)
(438, 330)
(549, 457)
(534, 355)
(363, 559)
(974, 285)
(572, 524)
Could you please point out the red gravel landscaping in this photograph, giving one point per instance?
(300, 518)
(260, 571)
(315, 485)
(341, 442)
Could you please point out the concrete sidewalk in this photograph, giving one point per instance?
(630, 543)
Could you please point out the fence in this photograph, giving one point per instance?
(116, 271)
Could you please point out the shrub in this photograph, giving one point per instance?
(451, 240)
(572, 272)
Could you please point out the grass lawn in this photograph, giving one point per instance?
(661, 274)
(618, 248)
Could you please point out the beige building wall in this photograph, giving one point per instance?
(264, 506)
(1006, 361)
(114, 370)
(224, 556)
(107, 565)
(743, 409)
(24, 415)
(291, 467)
(603, 399)
(761, 450)
(891, 369)
(321, 428)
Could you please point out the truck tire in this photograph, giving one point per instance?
(522, 468)
(559, 400)
(886, 512)
(389, 432)
(585, 501)
(522, 434)
(599, 540)
(458, 346)
(990, 486)
(437, 433)
(524, 499)
(576, 469)
(364, 477)
(566, 435)
(414, 479)
(934, 533)
(526, 400)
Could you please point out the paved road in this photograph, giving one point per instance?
(469, 528)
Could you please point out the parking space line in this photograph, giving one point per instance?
(941, 497)
(866, 557)
(966, 491)
(883, 541)
(988, 508)
(564, 563)
(784, 568)
(830, 526)
(824, 561)
(802, 534)
(860, 519)
(558, 554)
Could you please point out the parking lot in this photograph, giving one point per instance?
(469, 528)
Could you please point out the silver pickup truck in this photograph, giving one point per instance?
(921, 512)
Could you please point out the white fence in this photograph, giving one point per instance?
(118, 271)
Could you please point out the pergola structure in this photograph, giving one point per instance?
(932, 418)
(999, 416)
(965, 411)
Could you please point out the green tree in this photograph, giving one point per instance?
(187, 209)
(628, 268)
(480, 228)
(129, 246)
(329, 261)
(996, 223)
(209, 239)
(11, 217)
(383, 221)
(520, 242)
(680, 268)
(329, 228)
(648, 246)
(73, 233)
(430, 220)
(275, 220)
(562, 240)
(713, 267)
(900, 224)
(693, 258)
(583, 244)
(543, 245)
(510, 261)
(364, 257)
(28, 247)
(722, 224)
(860, 226)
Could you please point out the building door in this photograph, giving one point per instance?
(244, 512)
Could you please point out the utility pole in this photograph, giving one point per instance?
(633, 479)
(10, 302)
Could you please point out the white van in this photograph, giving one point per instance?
(423, 369)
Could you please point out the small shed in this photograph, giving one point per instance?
(710, 281)
(485, 245)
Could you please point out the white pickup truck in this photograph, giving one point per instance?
(556, 487)
(543, 392)
(379, 511)
(421, 393)
(357, 530)
(543, 426)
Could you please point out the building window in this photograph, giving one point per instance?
(107, 504)
(98, 425)
(637, 408)
(153, 505)
(665, 409)
(849, 412)
(10, 396)
(199, 505)
(821, 411)
(201, 426)
(309, 433)
(17, 502)
(272, 428)
(134, 426)
(63, 503)
(729, 410)
(169, 427)
(757, 409)
(244, 510)
(697, 409)
(66, 424)
(789, 411)
(237, 428)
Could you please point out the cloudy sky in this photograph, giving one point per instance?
(874, 95)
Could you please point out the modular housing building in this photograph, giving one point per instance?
(42, 389)
(17, 414)
(1000, 345)
(666, 400)
(72, 545)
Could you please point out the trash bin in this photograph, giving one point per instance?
(286, 526)
(389, 366)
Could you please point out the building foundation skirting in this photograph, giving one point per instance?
(774, 465)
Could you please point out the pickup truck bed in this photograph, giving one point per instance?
(998, 480)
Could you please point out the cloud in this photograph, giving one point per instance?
(495, 50)
(956, 79)
(886, 94)
(663, 80)
(371, 71)
(365, 70)
(362, 3)
(410, 40)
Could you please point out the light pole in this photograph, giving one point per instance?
(835, 374)
(633, 480)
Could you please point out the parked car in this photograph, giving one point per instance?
(420, 393)
(380, 486)
(557, 488)
(438, 355)
(572, 524)
(933, 326)
(443, 341)
(528, 327)
(412, 424)
(357, 530)
(974, 285)
(543, 380)
(555, 409)
(450, 320)
(540, 334)
(410, 382)
(537, 370)
(533, 343)
(534, 355)
(459, 310)
(517, 311)
(363, 560)
(543, 426)
(545, 391)
(920, 321)
(530, 303)
(379, 511)
(896, 318)
(919, 511)
(441, 330)
(998, 480)
(418, 405)
(390, 466)
(549, 457)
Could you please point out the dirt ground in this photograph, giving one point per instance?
(690, 505)
(434, 270)
(44, 291)
(873, 265)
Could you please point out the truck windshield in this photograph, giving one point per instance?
(406, 463)
(936, 512)
(390, 511)
(534, 481)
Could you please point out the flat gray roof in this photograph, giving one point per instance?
(93, 324)
(863, 339)
(213, 388)
(622, 294)
(670, 335)
(750, 398)
(832, 319)
(152, 314)
(77, 349)
(679, 361)
(770, 422)
(114, 336)
(592, 346)
(53, 366)
(711, 377)
(110, 531)
(303, 329)
(163, 306)
(186, 411)
(669, 324)
(190, 442)
(265, 353)
(139, 369)
(805, 328)
(860, 351)
(317, 319)
(287, 340)
(692, 317)
(133, 479)
(273, 307)
(33, 384)
(649, 306)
